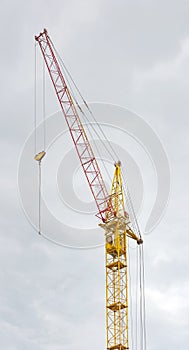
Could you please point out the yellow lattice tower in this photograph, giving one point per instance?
(116, 231)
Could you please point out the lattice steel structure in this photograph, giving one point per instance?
(116, 232)
(115, 220)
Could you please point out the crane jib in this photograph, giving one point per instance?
(78, 134)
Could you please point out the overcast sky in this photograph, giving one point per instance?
(129, 53)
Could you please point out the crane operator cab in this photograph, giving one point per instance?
(115, 245)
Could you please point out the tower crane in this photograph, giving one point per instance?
(110, 206)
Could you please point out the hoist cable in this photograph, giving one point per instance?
(100, 128)
(129, 200)
(97, 148)
(44, 107)
(39, 200)
(100, 156)
(103, 133)
(140, 259)
(136, 302)
(84, 114)
(84, 101)
(140, 254)
(35, 99)
(141, 302)
(144, 301)
(103, 143)
(131, 301)
(86, 120)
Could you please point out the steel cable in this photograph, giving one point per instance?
(85, 103)
(144, 301)
(35, 99)
(86, 119)
(39, 199)
(44, 107)
(128, 197)
(131, 301)
(140, 254)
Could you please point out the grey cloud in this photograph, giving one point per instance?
(42, 284)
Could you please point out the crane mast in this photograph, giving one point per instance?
(111, 208)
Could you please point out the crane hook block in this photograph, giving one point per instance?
(40, 156)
